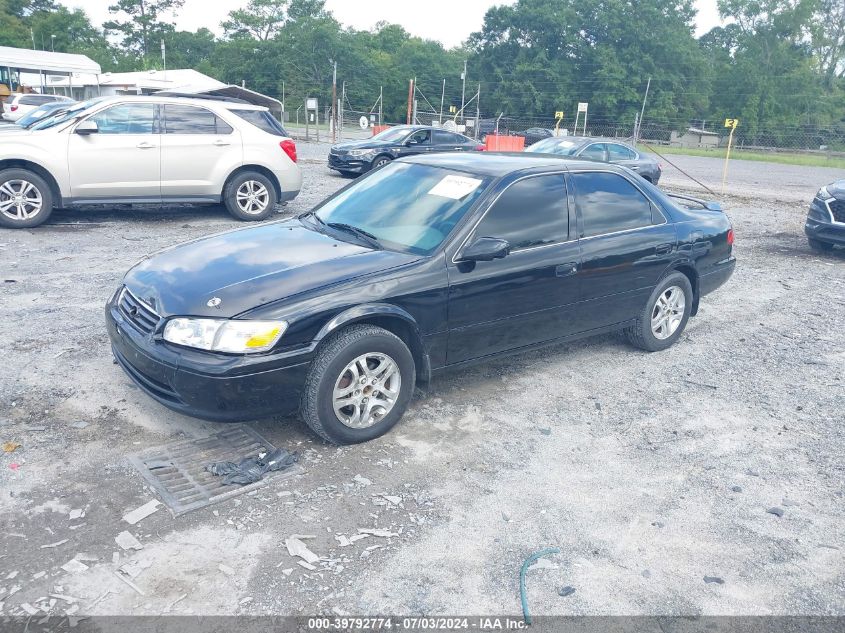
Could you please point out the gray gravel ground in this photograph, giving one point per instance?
(650, 472)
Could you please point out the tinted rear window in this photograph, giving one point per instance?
(263, 120)
(609, 203)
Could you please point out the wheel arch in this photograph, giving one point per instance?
(689, 270)
(17, 163)
(393, 319)
(277, 187)
(386, 155)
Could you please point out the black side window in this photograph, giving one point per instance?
(609, 203)
(594, 152)
(531, 212)
(619, 152)
(33, 100)
(263, 120)
(441, 137)
(180, 119)
(421, 137)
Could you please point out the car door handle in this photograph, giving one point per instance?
(567, 269)
(634, 167)
(220, 143)
(664, 249)
(145, 145)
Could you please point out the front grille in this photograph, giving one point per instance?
(837, 208)
(138, 313)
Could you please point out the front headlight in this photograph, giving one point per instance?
(222, 335)
(824, 194)
(359, 152)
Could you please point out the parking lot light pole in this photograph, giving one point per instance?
(334, 102)
(463, 89)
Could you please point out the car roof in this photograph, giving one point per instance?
(583, 140)
(499, 164)
(199, 101)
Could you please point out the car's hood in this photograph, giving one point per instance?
(365, 144)
(836, 189)
(13, 131)
(250, 267)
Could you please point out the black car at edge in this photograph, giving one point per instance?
(825, 225)
(429, 263)
(358, 157)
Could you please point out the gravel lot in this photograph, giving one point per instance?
(650, 472)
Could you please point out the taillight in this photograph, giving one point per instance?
(289, 147)
(730, 237)
(479, 148)
(13, 108)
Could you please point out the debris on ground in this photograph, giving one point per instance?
(714, 580)
(252, 469)
(127, 541)
(11, 447)
(74, 566)
(79, 424)
(297, 548)
(565, 591)
(56, 544)
(134, 587)
(377, 532)
(736, 489)
(778, 512)
(361, 480)
(346, 541)
(523, 570)
(141, 513)
(226, 569)
(76, 514)
(543, 563)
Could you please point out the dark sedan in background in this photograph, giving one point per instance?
(426, 264)
(825, 225)
(602, 150)
(534, 135)
(358, 157)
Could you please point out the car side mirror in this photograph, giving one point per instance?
(485, 249)
(410, 142)
(87, 127)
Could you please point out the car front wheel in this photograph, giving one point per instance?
(359, 385)
(380, 162)
(250, 196)
(665, 315)
(25, 199)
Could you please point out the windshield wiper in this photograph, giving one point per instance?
(368, 237)
(311, 214)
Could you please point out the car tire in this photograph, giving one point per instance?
(250, 196)
(380, 161)
(819, 246)
(331, 373)
(36, 190)
(663, 318)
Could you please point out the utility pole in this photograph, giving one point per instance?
(477, 109)
(642, 112)
(463, 90)
(334, 102)
(341, 105)
(283, 102)
(380, 104)
(442, 95)
(164, 57)
(410, 99)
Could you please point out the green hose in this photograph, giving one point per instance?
(528, 561)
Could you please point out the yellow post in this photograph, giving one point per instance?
(731, 123)
(558, 119)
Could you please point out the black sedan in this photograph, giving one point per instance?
(603, 150)
(429, 263)
(534, 135)
(358, 157)
(825, 225)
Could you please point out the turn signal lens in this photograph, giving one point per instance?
(730, 237)
(289, 147)
(264, 339)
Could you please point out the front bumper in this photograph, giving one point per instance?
(356, 164)
(219, 387)
(821, 223)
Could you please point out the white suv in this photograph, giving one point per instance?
(16, 105)
(153, 149)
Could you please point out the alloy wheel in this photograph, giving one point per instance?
(252, 197)
(668, 312)
(20, 200)
(366, 390)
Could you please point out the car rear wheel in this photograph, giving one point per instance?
(665, 315)
(819, 246)
(250, 196)
(380, 161)
(359, 385)
(25, 199)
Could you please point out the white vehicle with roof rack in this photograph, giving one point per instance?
(148, 149)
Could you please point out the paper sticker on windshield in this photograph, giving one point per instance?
(455, 187)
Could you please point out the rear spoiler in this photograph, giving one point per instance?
(710, 205)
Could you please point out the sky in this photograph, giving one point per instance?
(448, 21)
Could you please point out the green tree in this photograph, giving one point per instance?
(143, 26)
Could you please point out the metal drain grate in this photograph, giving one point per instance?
(177, 472)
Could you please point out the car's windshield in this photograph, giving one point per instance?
(33, 117)
(562, 147)
(392, 134)
(407, 207)
(62, 116)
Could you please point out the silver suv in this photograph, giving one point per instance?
(149, 150)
